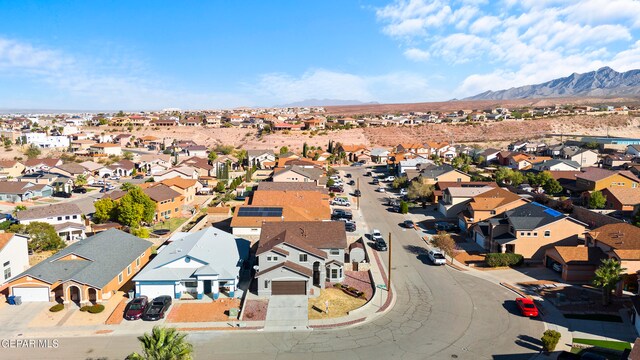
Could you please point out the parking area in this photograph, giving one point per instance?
(15, 318)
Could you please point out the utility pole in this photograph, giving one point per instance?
(389, 272)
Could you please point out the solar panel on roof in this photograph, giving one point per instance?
(260, 212)
(552, 212)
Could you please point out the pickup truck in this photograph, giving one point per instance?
(157, 308)
(341, 214)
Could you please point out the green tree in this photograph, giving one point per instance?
(127, 186)
(241, 155)
(479, 160)
(43, 236)
(128, 155)
(305, 149)
(136, 196)
(284, 150)
(129, 212)
(81, 180)
(104, 210)
(17, 209)
(224, 149)
(330, 183)
(552, 186)
(607, 277)
(597, 200)
(33, 151)
(550, 340)
(400, 182)
(404, 207)
(443, 241)
(220, 187)
(140, 232)
(507, 176)
(420, 190)
(163, 344)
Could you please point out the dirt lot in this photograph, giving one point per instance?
(255, 310)
(202, 312)
(339, 304)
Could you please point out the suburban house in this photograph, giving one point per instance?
(44, 165)
(445, 172)
(14, 255)
(10, 169)
(187, 187)
(584, 157)
(441, 186)
(71, 170)
(196, 150)
(66, 218)
(487, 205)
(594, 179)
(105, 149)
(203, 263)
(557, 165)
(185, 172)
(18, 191)
(123, 167)
(86, 271)
(200, 164)
(258, 157)
(528, 230)
(616, 161)
(352, 151)
(619, 241)
(454, 199)
(490, 155)
(578, 263)
(153, 164)
(280, 204)
(621, 199)
(295, 173)
(412, 164)
(168, 201)
(294, 257)
(379, 155)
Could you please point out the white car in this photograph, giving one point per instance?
(335, 177)
(376, 235)
(437, 257)
(340, 201)
(403, 191)
(389, 178)
(381, 189)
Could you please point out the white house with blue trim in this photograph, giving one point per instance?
(198, 264)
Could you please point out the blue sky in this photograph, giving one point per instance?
(205, 54)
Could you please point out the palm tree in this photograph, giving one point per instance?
(607, 276)
(163, 344)
(81, 180)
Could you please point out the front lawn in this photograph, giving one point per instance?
(339, 304)
(613, 345)
(170, 224)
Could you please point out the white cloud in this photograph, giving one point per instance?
(485, 24)
(461, 48)
(279, 88)
(417, 54)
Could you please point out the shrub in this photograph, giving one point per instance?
(506, 259)
(404, 207)
(56, 308)
(84, 308)
(550, 339)
(97, 308)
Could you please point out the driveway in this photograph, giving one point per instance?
(16, 319)
(287, 312)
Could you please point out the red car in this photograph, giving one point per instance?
(135, 308)
(527, 307)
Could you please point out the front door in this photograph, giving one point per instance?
(316, 273)
(207, 287)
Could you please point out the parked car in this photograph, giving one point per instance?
(335, 177)
(527, 307)
(390, 178)
(376, 181)
(445, 226)
(135, 308)
(381, 189)
(357, 193)
(403, 192)
(62, 194)
(381, 245)
(340, 201)
(351, 182)
(157, 308)
(139, 176)
(80, 190)
(409, 224)
(338, 183)
(437, 257)
(357, 164)
(338, 214)
(368, 173)
(115, 177)
(347, 175)
(557, 267)
(336, 189)
(349, 226)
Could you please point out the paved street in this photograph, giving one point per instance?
(440, 313)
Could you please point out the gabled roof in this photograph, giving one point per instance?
(50, 162)
(179, 182)
(19, 187)
(197, 162)
(626, 196)
(553, 162)
(123, 164)
(310, 236)
(220, 253)
(254, 153)
(289, 186)
(5, 238)
(103, 257)
(288, 265)
(576, 255)
(533, 216)
(493, 199)
(618, 236)
(91, 166)
(433, 171)
(161, 192)
(7, 163)
(310, 173)
(597, 174)
(43, 212)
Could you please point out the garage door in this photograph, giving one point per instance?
(289, 288)
(32, 293)
(153, 291)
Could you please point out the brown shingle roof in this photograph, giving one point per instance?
(4, 239)
(179, 182)
(493, 199)
(49, 211)
(626, 196)
(289, 265)
(50, 162)
(307, 235)
(618, 236)
(290, 186)
(161, 192)
(580, 254)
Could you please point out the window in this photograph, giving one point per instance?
(59, 218)
(634, 185)
(129, 270)
(334, 273)
(334, 252)
(67, 217)
(303, 257)
(6, 264)
(272, 258)
(340, 272)
(528, 234)
(138, 262)
(120, 278)
(7, 273)
(521, 233)
(75, 216)
(191, 284)
(547, 233)
(535, 234)
(492, 212)
(266, 284)
(176, 210)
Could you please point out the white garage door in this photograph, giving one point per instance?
(32, 293)
(153, 291)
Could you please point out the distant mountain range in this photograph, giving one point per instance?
(605, 82)
(326, 102)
